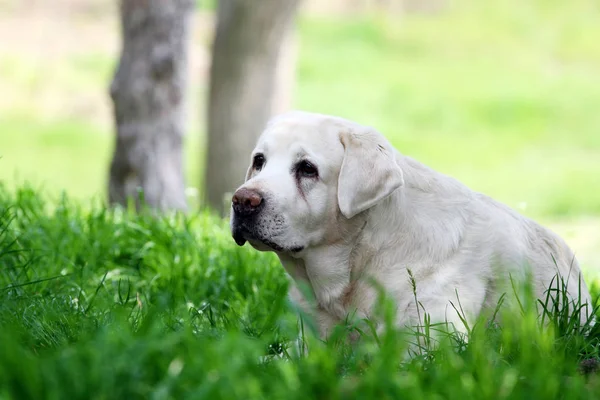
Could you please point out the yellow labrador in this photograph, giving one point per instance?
(340, 206)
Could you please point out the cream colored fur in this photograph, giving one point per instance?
(374, 213)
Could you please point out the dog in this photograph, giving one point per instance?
(342, 209)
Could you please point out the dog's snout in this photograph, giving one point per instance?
(246, 201)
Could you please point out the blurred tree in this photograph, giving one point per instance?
(148, 92)
(249, 76)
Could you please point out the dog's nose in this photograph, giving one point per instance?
(246, 201)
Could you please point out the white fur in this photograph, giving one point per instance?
(374, 213)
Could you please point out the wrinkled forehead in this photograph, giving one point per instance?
(301, 135)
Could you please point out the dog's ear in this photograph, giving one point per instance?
(369, 172)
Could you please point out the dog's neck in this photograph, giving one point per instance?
(326, 270)
(424, 219)
(331, 270)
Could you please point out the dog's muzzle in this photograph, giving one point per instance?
(247, 205)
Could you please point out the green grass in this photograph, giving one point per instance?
(60, 155)
(65, 155)
(105, 304)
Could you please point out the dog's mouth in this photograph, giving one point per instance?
(239, 238)
(241, 235)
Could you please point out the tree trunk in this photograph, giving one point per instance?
(149, 96)
(247, 52)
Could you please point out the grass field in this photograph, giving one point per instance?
(104, 304)
(98, 304)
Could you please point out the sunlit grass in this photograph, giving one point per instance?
(98, 303)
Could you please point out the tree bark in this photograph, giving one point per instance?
(247, 53)
(149, 97)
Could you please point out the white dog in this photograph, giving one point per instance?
(340, 206)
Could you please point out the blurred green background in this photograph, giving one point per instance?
(502, 95)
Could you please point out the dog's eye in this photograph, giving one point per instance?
(259, 162)
(307, 170)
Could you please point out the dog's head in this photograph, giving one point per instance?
(309, 175)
